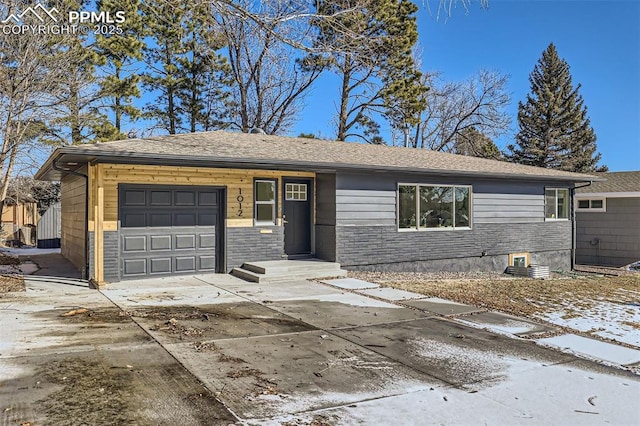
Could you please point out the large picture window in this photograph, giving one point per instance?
(434, 207)
(556, 205)
(265, 202)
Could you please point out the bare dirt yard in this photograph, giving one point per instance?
(605, 307)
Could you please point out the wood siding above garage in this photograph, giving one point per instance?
(73, 190)
(239, 184)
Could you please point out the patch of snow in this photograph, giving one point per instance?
(616, 321)
(594, 349)
(508, 327)
(31, 251)
(543, 395)
(635, 266)
(464, 363)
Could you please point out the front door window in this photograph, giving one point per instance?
(295, 192)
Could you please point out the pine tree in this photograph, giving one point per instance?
(554, 130)
(377, 70)
(164, 21)
(186, 72)
(118, 52)
(75, 118)
(205, 96)
(476, 144)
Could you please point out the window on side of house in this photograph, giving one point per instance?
(556, 205)
(591, 205)
(423, 207)
(264, 202)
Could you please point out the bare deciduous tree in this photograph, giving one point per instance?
(270, 83)
(455, 107)
(30, 74)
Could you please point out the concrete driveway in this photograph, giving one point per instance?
(213, 349)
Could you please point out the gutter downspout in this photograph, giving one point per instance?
(86, 213)
(573, 223)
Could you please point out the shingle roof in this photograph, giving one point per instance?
(616, 182)
(220, 147)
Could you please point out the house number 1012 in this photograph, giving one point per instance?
(240, 199)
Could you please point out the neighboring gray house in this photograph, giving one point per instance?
(49, 227)
(208, 202)
(608, 220)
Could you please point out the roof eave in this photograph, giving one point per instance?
(47, 166)
(161, 159)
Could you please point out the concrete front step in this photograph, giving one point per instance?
(282, 266)
(285, 270)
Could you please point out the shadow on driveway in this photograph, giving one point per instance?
(52, 265)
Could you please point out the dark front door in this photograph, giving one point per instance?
(298, 198)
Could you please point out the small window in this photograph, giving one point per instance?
(556, 203)
(592, 205)
(265, 202)
(520, 260)
(295, 192)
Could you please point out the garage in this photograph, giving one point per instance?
(168, 230)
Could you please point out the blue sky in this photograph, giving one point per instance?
(600, 40)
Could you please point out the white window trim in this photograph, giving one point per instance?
(556, 219)
(300, 193)
(608, 194)
(442, 229)
(591, 209)
(514, 256)
(256, 203)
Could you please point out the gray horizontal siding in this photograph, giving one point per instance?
(346, 216)
(508, 208)
(347, 194)
(362, 207)
(610, 238)
(366, 245)
(365, 200)
(370, 199)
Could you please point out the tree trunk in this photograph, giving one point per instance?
(116, 109)
(74, 110)
(171, 109)
(343, 116)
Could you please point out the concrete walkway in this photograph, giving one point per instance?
(293, 352)
(51, 265)
(70, 356)
(302, 351)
